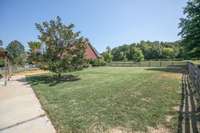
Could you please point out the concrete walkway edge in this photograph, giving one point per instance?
(20, 110)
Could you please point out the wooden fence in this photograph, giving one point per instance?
(194, 75)
(149, 64)
(16, 69)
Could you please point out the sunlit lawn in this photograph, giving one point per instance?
(107, 98)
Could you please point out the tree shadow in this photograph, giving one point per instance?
(51, 80)
(168, 69)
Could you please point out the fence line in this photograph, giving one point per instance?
(148, 64)
(194, 75)
(16, 69)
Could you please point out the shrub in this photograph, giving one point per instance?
(137, 54)
(97, 62)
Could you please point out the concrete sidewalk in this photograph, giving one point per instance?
(20, 110)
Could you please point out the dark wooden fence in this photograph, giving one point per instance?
(194, 75)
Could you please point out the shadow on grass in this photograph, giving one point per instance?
(188, 121)
(51, 80)
(168, 69)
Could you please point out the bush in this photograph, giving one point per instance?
(137, 55)
(97, 62)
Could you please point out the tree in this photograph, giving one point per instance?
(137, 54)
(16, 52)
(190, 28)
(168, 53)
(35, 55)
(34, 46)
(107, 55)
(64, 48)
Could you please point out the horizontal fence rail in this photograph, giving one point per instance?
(15, 69)
(149, 64)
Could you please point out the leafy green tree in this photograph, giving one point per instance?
(34, 46)
(190, 28)
(137, 54)
(168, 53)
(108, 55)
(17, 52)
(34, 55)
(64, 47)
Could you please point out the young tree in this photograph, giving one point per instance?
(108, 55)
(190, 28)
(16, 52)
(64, 48)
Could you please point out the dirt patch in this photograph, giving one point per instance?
(31, 72)
(160, 129)
(171, 75)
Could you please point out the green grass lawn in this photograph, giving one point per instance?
(107, 98)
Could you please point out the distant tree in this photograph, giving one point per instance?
(17, 52)
(34, 46)
(190, 28)
(64, 47)
(137, 54)
(120, 53)
(107, 55)
(150, 50)
(34, 55)
(168, 53)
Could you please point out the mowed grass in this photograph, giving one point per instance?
(107, 98)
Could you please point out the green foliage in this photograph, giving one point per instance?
(34, 55)
(16, 52)
(150, 50)
(168, 53)
(34, 46)
(98, 62)
(137, 54)
(64, 48)
(190, 28)
(107, 55)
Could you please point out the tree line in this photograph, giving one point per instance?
(187, 48)
(146, 50)
(64, 48)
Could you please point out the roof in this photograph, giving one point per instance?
(94, 50)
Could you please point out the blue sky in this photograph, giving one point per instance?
(104, 22)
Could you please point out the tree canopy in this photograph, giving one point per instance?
(16, 52)
(148, 50)
(190, 28)
(64, 48)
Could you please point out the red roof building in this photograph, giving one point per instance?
(91, 53)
